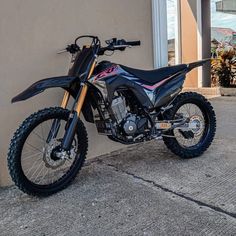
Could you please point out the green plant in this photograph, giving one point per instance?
(225, 68)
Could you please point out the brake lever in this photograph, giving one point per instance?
(62, 51)
(122, 46)
(111, 41)
(72, 48)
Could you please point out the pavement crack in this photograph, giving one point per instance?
(199, 203)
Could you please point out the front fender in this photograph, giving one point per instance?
(64, 82)
(68, 83)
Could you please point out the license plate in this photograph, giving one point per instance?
(163, 125)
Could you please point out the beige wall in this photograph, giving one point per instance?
(196, 40)
(31, 31)
(189, 40)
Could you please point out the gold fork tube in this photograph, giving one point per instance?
(84, 90)
(65, 99)
(81, 99)
(92, 69)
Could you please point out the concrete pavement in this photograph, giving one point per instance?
(140, 190)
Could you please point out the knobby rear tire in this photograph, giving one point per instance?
(199, 100)
(17, 144)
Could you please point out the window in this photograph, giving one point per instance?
(173, 28)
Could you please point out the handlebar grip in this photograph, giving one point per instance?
(134, 43)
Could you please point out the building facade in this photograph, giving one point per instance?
(32, 32)
(226, 6)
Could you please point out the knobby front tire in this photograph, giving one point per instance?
(18, 141)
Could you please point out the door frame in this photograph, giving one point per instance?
(160, 33)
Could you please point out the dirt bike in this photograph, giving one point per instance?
(127, 105)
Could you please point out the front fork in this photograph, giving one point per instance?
(74, 118)
(72, 122)
(56, 123)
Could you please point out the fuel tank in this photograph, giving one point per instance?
(102, 66)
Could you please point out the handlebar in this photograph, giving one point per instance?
(134, 43)
(113, 44)
(120, 44)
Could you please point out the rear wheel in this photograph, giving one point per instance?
(189, 144)
(33, 161)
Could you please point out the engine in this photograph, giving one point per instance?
(129, 124)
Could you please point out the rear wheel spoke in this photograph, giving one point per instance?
(190, 110)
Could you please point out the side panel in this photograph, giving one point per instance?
(166, 92)
(150, 96)
(115, 77)
(116, 82)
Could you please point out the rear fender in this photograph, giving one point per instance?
(197, 63)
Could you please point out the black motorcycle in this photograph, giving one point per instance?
(127, 105)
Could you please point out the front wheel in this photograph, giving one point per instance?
(192, 143)
(32, 162)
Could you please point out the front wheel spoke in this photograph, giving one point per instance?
(33, 147)
(55, 128)
(43, 134)
(31, 168)
(54, 176)
(36, 134)
(46, 172)
(37, 162)
(69, 163)
(38, 175)
(38, 168)
(69, 160)
(33, 155)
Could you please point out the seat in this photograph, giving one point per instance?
(155, 76)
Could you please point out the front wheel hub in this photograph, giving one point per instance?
(56, 153)
(52, 155)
